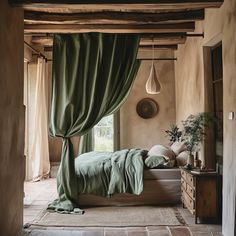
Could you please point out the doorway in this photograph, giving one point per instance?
(217, 101)
(213, 67)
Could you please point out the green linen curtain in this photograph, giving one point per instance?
(86, 142)
(92, 76)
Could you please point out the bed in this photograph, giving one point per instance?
(161, 186)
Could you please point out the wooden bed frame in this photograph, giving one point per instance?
(161, 187)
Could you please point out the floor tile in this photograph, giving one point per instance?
(136, 228)
(56, 233)
(152, 228)
(115, 233)
(199, 228)
(215, 228)
(179, 231)
(201, 234)
(217, 234)
(137, 233)
(92, 233)
(158, 233)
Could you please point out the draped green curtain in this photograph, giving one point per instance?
(92, 76)
(86, 142)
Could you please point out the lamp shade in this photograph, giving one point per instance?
(152, 85)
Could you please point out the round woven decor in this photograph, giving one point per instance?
(147, 108)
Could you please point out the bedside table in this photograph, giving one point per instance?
(200, 193)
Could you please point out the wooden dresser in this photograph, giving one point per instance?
(200, 194)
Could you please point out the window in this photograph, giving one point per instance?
(104, 134)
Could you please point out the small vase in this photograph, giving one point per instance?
(190, 160)
(197, 162)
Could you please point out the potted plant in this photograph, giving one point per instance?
(174, 133)
(193, 133)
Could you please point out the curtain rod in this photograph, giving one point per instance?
(36, 51)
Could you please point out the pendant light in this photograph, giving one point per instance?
(152, 85)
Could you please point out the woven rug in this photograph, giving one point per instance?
(113, 217)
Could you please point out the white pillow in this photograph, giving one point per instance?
(167, 153)
(182, 158)
(178, 147)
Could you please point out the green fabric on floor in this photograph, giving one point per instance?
(92, 76)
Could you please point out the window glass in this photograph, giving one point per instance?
(104, 134)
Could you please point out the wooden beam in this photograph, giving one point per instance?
(142, 28)
(116, 5)
(112, 17)
(163, 39)
(146, 39)
(40, 40)
(158, 47)
(48, 49)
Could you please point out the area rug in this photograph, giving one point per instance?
(113, 217)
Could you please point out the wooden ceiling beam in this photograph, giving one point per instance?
(158, 47)
(163, 39)
(40, 40)
(112, 17)
(117, 5)
(146, 39)
(142, 28)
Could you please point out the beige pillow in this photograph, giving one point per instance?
(182, 158)
(160, 150)
(178, 147)
(166, 152)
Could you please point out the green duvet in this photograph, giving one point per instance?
(107, 173)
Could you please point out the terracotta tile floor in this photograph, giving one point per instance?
(38, 194)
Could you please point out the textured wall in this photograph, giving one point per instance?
(144, 133)
(11, 119)
(219, 24)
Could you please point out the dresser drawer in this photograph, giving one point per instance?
(184, 184)
(190, 180)
(190, 191)
(183, 174)
(188, 201)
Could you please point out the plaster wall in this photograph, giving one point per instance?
(144, 133)
(12, 164)
(219, 24)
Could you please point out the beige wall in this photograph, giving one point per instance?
(11, 120)
(219, 24)
(144, 133)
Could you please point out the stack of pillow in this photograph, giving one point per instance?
(160, 156)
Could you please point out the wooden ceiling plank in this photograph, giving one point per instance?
(39, 40)
(143, 28)
(112, 17)
(170, 41)
(146, 39)
(116, 4)
(158, 47)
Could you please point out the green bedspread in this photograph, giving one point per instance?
(107, 173)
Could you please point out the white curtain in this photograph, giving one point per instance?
(40, 149)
